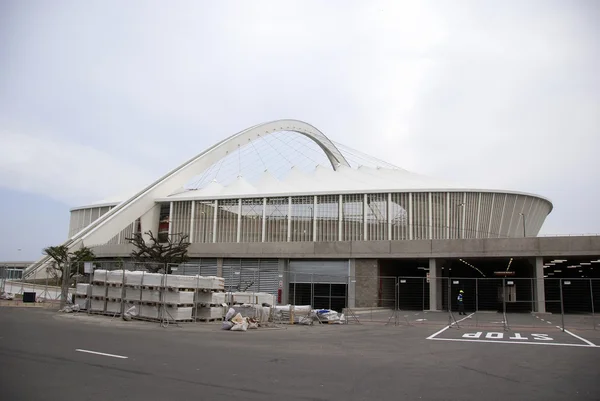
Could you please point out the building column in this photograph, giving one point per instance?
(219, 267)
(538, 277)
(351, 283)
(149, 221)
(435, 284)
(284, 277)
(366, 285)
(192, 218)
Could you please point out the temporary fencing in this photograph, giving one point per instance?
(487, 302)
(42, 286)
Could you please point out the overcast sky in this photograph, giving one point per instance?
(97, 98)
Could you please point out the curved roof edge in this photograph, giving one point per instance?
(94, 205)
(103, 228)
(305, 193)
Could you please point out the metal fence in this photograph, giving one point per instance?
(503, 302)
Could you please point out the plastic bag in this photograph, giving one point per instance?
(240, 326)
(230, 314)
(130, 313)
(226, 325)
(238, 319)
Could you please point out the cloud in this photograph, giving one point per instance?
(486, 94)
(65, 171)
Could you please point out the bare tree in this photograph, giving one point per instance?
(60, 255)
(154, 254)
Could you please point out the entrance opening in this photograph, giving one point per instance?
(404, 283)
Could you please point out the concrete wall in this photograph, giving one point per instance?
(366, 273)
(496, 247)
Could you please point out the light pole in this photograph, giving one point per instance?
(523, 216)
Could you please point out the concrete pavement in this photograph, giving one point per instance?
(38, 350)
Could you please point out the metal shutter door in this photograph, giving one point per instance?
(319, 271)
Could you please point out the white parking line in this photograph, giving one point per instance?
(511, 342)
(101, 353)
(431, 337)
(579, 338)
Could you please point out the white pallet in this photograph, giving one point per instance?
(199, 282)
(113, 307)
(133, 294)
(215, 312)
(114, 292)
(97, 305)
(176, 313)
(83, 289)
(100, 275)
(150, 279)
(149, 311)
(135, 277)
(115, 277)
(98, 291)
(169, 297)
(215, 298)
(218, 298)
(257, 298)
(82, 302)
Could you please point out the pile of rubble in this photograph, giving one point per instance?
(304, 314)
(234, 320)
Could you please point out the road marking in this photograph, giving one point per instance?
(580, 338)
(101, 353)
(431, 337)
(511, 342)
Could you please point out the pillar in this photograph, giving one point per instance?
(435, 284)
(539, 294)
(366, 277)
(219, 267)
(149, 221)
(351, 283)
(284, 278)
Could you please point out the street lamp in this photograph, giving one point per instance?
(523, 216)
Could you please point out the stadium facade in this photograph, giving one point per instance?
(282, 197)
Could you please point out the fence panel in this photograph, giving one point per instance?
(578, 303)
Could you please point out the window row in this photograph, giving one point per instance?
(359, 217)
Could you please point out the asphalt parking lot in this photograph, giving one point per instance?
(51, 356)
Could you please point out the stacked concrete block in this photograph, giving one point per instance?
(157, 296)
(99, 276)
(98, 305)
(134, 278)
(113, 307)
(209, 313)
(83, 289)
(82, 294)
(115, 277)
(253, 298)
(133, 293)
(168, 297)
(114, 292)
(210, 298)
(98, 291)
(149, 311)
(177, 312)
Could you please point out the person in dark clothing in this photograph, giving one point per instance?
(461, 305)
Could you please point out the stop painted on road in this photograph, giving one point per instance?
(496, 335)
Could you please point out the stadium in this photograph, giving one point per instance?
(282, 206)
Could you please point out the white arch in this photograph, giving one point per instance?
(143, 204)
